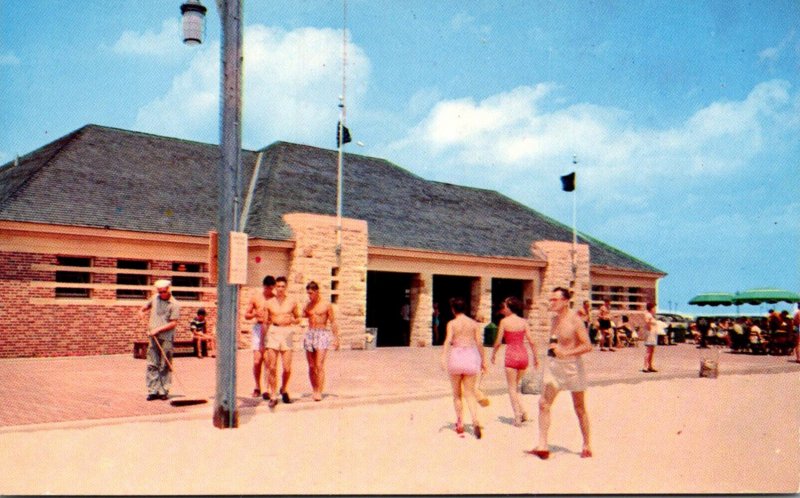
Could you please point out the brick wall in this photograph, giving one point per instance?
(40, 330)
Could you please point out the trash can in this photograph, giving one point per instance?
(370, 338)
(489, 334)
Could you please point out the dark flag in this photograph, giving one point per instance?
(345, 132)
(568, 182)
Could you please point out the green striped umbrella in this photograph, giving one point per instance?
(712, 299)
(759, 296)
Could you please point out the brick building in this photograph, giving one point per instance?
(89, 221)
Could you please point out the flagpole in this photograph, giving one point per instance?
(574, 230)
(340, 138)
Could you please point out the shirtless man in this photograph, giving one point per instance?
(281, 315)
(564, 370)
(604, 324)
(322, 332)
(255, 310)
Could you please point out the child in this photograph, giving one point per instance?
(200, 334)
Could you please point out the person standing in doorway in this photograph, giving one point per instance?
(281, 316)
(164, 314)
(564, 370)
(321, 335)
(255, 310)
(515, 330)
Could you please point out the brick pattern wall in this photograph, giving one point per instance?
(43, 330)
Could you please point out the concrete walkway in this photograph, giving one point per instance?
(85, 391)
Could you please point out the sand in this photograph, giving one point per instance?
(734, 434)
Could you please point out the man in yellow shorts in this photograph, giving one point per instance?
(281, 317)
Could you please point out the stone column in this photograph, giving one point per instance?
(558, 273)
(341, 280)
(421, 309)
(481, 300)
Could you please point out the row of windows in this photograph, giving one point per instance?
(81, 277)
(620, 297)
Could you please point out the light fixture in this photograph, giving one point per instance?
(194, 17)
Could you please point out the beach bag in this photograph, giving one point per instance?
(709, 364)
(531, 382)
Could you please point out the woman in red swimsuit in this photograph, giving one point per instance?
(515, 330)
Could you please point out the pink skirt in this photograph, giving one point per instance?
(464, 360)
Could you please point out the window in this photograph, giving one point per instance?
(73, 277)
(188, 281)
(131, 279)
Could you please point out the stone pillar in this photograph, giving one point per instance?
(481, 299)
(421, 310)
(558, 273)
(341, 280)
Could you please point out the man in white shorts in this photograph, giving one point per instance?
(564, 370)
(255, 310)
(281, 317)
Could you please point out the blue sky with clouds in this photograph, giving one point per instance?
(684, 115)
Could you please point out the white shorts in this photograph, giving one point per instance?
(279, 337)
(565, 375)
(257, 338)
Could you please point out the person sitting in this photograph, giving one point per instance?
(757, 343)
(201, 335)
(624, 333)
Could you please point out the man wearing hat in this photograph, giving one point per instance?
(164, 314)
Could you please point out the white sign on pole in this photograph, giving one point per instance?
(237, 266)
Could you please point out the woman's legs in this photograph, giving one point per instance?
(472, 401)
(512, 378)
(455, 381)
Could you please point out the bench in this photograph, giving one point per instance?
(185, 347)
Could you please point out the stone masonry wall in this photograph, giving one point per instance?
(558, 273)
(314, 258)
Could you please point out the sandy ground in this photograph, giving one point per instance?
(734, 434)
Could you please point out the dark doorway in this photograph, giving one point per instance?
(388, 305)
(501, 289)
(445, 287)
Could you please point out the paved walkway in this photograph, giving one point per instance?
(81, 391)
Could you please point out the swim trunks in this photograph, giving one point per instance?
(565, 375)
(280, 337)
(603, 323)
(317, 340)
(464, 360)
(516, 354)
(257, 338)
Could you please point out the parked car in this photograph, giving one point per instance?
(677, 326)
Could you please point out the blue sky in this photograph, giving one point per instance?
(684, 115)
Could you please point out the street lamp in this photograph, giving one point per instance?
(228, 176)
(194, 16)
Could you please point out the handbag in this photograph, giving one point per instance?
(532, 380)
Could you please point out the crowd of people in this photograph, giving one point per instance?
(277, 317)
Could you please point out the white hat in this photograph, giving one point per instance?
(161, 284)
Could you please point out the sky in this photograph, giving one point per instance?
(680, 118)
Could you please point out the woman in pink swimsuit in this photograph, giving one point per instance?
(515, 330)
(463, 358)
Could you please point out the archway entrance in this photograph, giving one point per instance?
(445, 287)
(388, 307)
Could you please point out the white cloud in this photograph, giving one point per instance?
(9, 59)
(292, 82)
(164, 44)
(772, 54)
(512, 136)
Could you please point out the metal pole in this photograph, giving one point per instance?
(574, 283)
(340, 134)
(225, 414)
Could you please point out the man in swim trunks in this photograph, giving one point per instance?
(322, 333)
(564, 370)
(281, 316)
(255, 310)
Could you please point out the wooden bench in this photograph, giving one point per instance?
(185, 347)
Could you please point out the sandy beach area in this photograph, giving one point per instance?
(734, 434)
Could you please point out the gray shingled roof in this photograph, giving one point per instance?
(106, 177)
